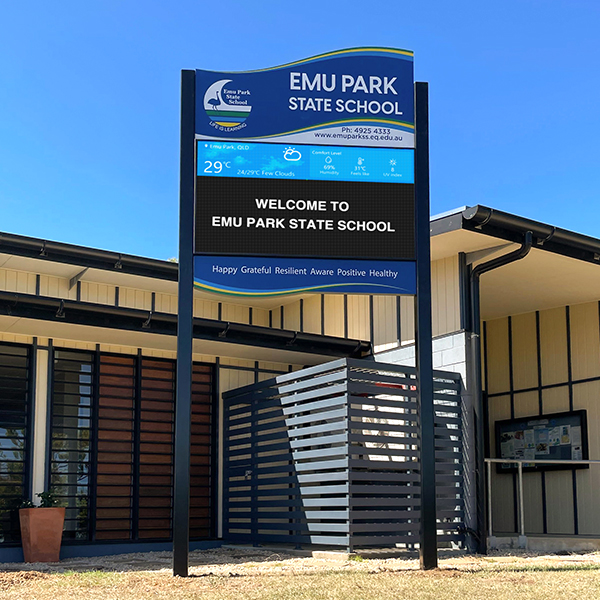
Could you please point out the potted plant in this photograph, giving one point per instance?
(41, 528)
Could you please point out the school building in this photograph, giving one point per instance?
(87, 384)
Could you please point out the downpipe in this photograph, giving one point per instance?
(475, 379)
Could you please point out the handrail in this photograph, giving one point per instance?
(520, 462)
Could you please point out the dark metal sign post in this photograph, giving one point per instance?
(423, 332)
(183, 402)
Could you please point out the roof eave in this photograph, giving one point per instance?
(509, 227)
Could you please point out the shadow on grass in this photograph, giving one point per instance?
(152, 561)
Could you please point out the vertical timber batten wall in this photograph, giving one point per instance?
(329, 455)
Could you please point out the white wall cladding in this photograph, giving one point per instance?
(450, 354)
(17, 281)
(386, 321)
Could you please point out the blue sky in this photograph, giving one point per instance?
(89, 103)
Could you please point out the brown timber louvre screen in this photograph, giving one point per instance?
(115, 444)
(157, 410)
(201, 452)
(112, 457)
(330, 455)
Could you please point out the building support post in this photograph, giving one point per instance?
(183, 403)
(39, 450)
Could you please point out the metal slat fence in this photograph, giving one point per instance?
(329, 455)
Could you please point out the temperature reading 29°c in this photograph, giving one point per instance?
(215, 167)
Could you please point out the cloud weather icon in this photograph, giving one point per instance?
(291, 154)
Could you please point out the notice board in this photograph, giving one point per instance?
(558, 436)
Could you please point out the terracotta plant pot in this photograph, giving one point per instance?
(41, 533)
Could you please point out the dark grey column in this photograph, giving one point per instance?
(183, 404)
(424, 350)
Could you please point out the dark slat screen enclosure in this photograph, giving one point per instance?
(112, 439)
(330, 455)
(15, 427)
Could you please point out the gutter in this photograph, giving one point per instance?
(481, 215)
(474, 377)
(115, 317)
(478, 218)
(512, 228)
(71, 254)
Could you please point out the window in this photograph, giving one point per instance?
(15, 425)
(71, 426)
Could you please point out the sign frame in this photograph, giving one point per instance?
(423, 326)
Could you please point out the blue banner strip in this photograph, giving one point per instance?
(268, 277)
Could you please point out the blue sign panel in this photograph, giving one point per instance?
(325, 163)
(305, 176)
(268, 277)
(355, 97)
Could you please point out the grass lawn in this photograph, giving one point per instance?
(471, 578)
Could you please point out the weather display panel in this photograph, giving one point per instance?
(317, 163)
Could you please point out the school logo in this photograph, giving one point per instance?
(227, 106)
